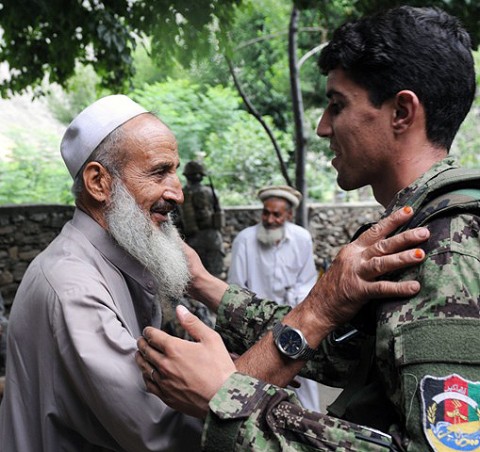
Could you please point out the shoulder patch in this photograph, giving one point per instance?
(451, 413)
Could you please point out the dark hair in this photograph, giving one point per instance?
(424, 50)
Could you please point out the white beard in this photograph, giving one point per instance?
(270, 237)
(159, 249)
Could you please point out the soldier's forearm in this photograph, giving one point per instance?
(208, 289)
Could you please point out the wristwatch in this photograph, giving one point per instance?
(291, 342)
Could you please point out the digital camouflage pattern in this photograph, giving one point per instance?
(433, 335)
(291, 427)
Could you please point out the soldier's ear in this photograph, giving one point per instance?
(406, 110)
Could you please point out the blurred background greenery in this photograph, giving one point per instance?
(172, 57)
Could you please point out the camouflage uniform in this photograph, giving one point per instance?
(198, 223)
(421, 384)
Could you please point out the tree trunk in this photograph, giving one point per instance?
(297, 105)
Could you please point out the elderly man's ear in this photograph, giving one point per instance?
(97, 181)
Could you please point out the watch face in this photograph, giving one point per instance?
(291, 342)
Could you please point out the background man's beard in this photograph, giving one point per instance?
(158, 248)
(270, 237)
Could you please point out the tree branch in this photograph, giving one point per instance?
(275, 35)
(253, 111)
(310, 53)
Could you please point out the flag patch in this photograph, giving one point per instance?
(451, 413)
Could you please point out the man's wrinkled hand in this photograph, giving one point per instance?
(353, 277)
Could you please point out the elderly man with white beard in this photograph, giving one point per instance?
(274, 259)
(71, 379)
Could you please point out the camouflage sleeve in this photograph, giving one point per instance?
(247, 414)
(243, 318)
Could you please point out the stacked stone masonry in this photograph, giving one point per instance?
(26, 230)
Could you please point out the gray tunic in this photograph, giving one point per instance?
(72, 383)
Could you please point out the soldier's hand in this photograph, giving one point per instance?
(184, 374)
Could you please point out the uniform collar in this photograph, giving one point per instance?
(403, 197)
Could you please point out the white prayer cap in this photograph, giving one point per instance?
(92, 125)
(281, 191)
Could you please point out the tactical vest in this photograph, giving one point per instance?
(189, 221)
(449, 193)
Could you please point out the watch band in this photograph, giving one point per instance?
(305, 352)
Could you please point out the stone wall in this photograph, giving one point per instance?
(26, 230)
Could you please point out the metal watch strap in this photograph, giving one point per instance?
(306, 354)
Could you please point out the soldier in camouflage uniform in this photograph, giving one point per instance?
(400, 84)
(202, 218)
(200, 221)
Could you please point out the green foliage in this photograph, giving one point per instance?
(52, 36)
(467, 143)
(48, 36)
(242, 159)
(81, 91)
(192, 111)
(34, 174)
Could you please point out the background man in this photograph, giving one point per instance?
(275, 260)
(399, 85)
(71, 380)
(202, 218)
(200, 222)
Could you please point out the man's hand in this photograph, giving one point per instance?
(353, 278)
(349, 283)
(184, 374)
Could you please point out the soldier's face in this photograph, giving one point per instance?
(275, 212)
(360, 134)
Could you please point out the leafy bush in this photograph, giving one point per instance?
(34, 174)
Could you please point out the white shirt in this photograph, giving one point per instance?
(284, 273)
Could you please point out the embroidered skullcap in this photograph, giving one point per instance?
(281, 191)
(92, 125)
